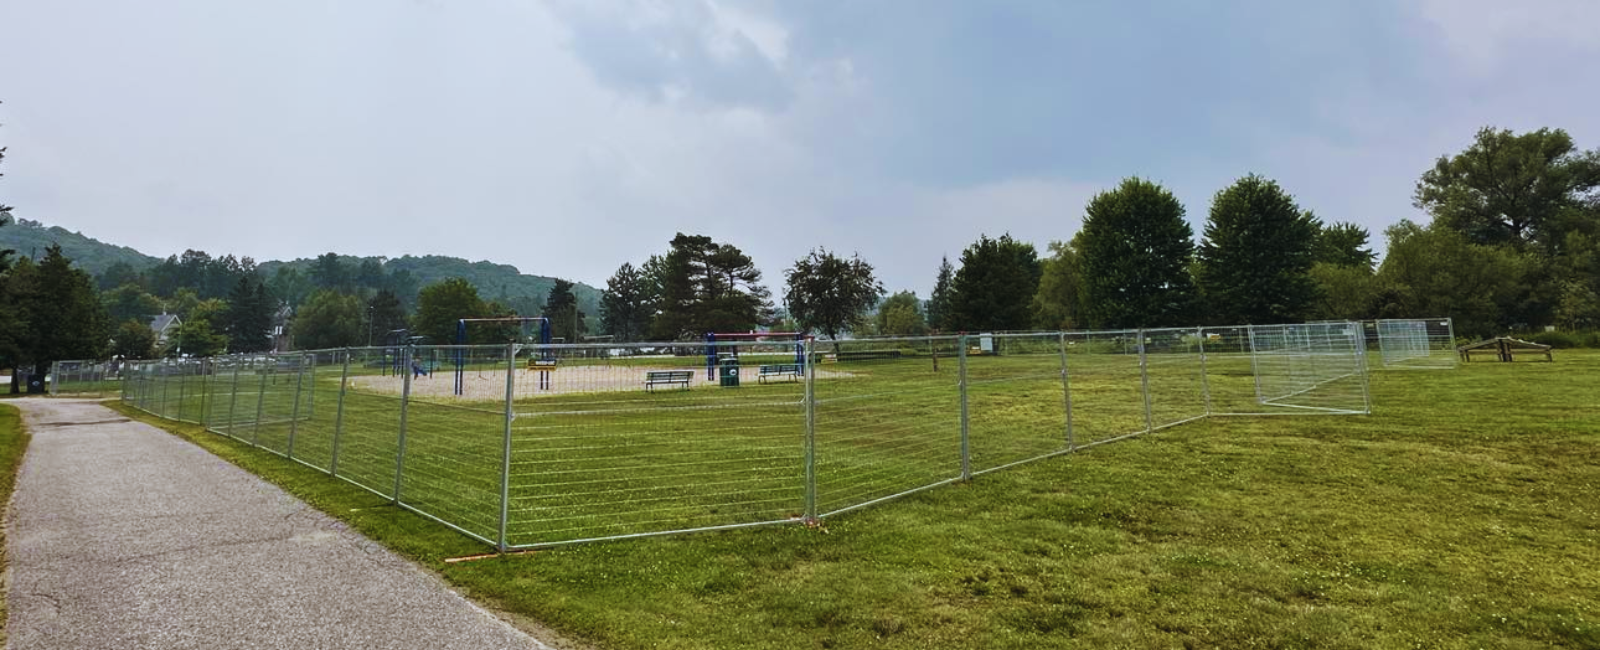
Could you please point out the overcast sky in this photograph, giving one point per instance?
(569, 137)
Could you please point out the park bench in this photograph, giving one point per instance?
(654, 377)
(779, 370)
(863, 355)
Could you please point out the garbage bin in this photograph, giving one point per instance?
(728, 371)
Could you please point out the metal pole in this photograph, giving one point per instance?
(294, 413)
(1144, 381)
(1066, 389)
(405, 404)
(1255, 366)
(162, 410)
(1205, 375)
(233, 400)
(205, 391)
(261, 400)
(961, 384)
(505, 452)
(811, 431)
(1360, 346)
(338, 415)
(183, 386)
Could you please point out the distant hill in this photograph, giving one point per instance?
(494, 281)
(30, 238)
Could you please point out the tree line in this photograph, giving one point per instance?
(1512, 244)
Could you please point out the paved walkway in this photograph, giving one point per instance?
(124, 536)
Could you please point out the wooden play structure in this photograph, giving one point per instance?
(1505, 349)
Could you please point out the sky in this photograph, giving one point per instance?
(569, 137)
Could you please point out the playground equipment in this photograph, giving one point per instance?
(713, 356)
(545, 364)
(394, 345)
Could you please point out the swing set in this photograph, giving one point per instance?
(544, 364)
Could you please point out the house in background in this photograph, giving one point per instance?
(281, 341)
(164, 327)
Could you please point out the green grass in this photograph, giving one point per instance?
(1463, 513)
(13, 443)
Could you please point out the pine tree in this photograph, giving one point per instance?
(939, 301)
(993, 290)
(1136, 249)
(1256, 257)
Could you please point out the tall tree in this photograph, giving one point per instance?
(12, 325)
(329, 320)
(247, 322)
(1136, 250)
(64, 315)
(130, 302)
(120, 274)
(627, 305)
(1343, 244)
(1343, 292)
(1255, 259)
(1437, 270)
(290, 285)
(994, 288)
(134, 340)
(709, 287)
(1528, 189)
(939, 301)
(384, 314)
(901, 315)
(1058, 304)
(830, 294)
(329, 272)
(196, 338)
(561, 307)
(441, 305)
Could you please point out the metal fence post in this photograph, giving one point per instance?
(505, 451)
(294, 413)
(338, 415)
(405, 404)
(261, 400)
(810, 406)
(1361, 366)
(961, 384)
(1255, 365)
(1066, 389)
(233, 401)
(166, 379)
(1144, 383)
(1205, 374)
(183, 387)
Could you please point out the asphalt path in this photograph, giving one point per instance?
(124, 536)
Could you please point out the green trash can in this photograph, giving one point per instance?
(728, 371)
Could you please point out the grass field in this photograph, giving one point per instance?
(13, 442)
(1463, 513)
(597, 457)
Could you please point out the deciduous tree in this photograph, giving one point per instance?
(830, 294)
(329, 320)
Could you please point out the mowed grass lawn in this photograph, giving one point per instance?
(1464, 513)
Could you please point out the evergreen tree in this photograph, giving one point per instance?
(384, 314)
(939, 301)
(994, 288)
(247, 321)
(626, 306)
(561, 307)
(1343, 244)
(1255, 260)
(709, 287)
(1136, 250)
(64, 317)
